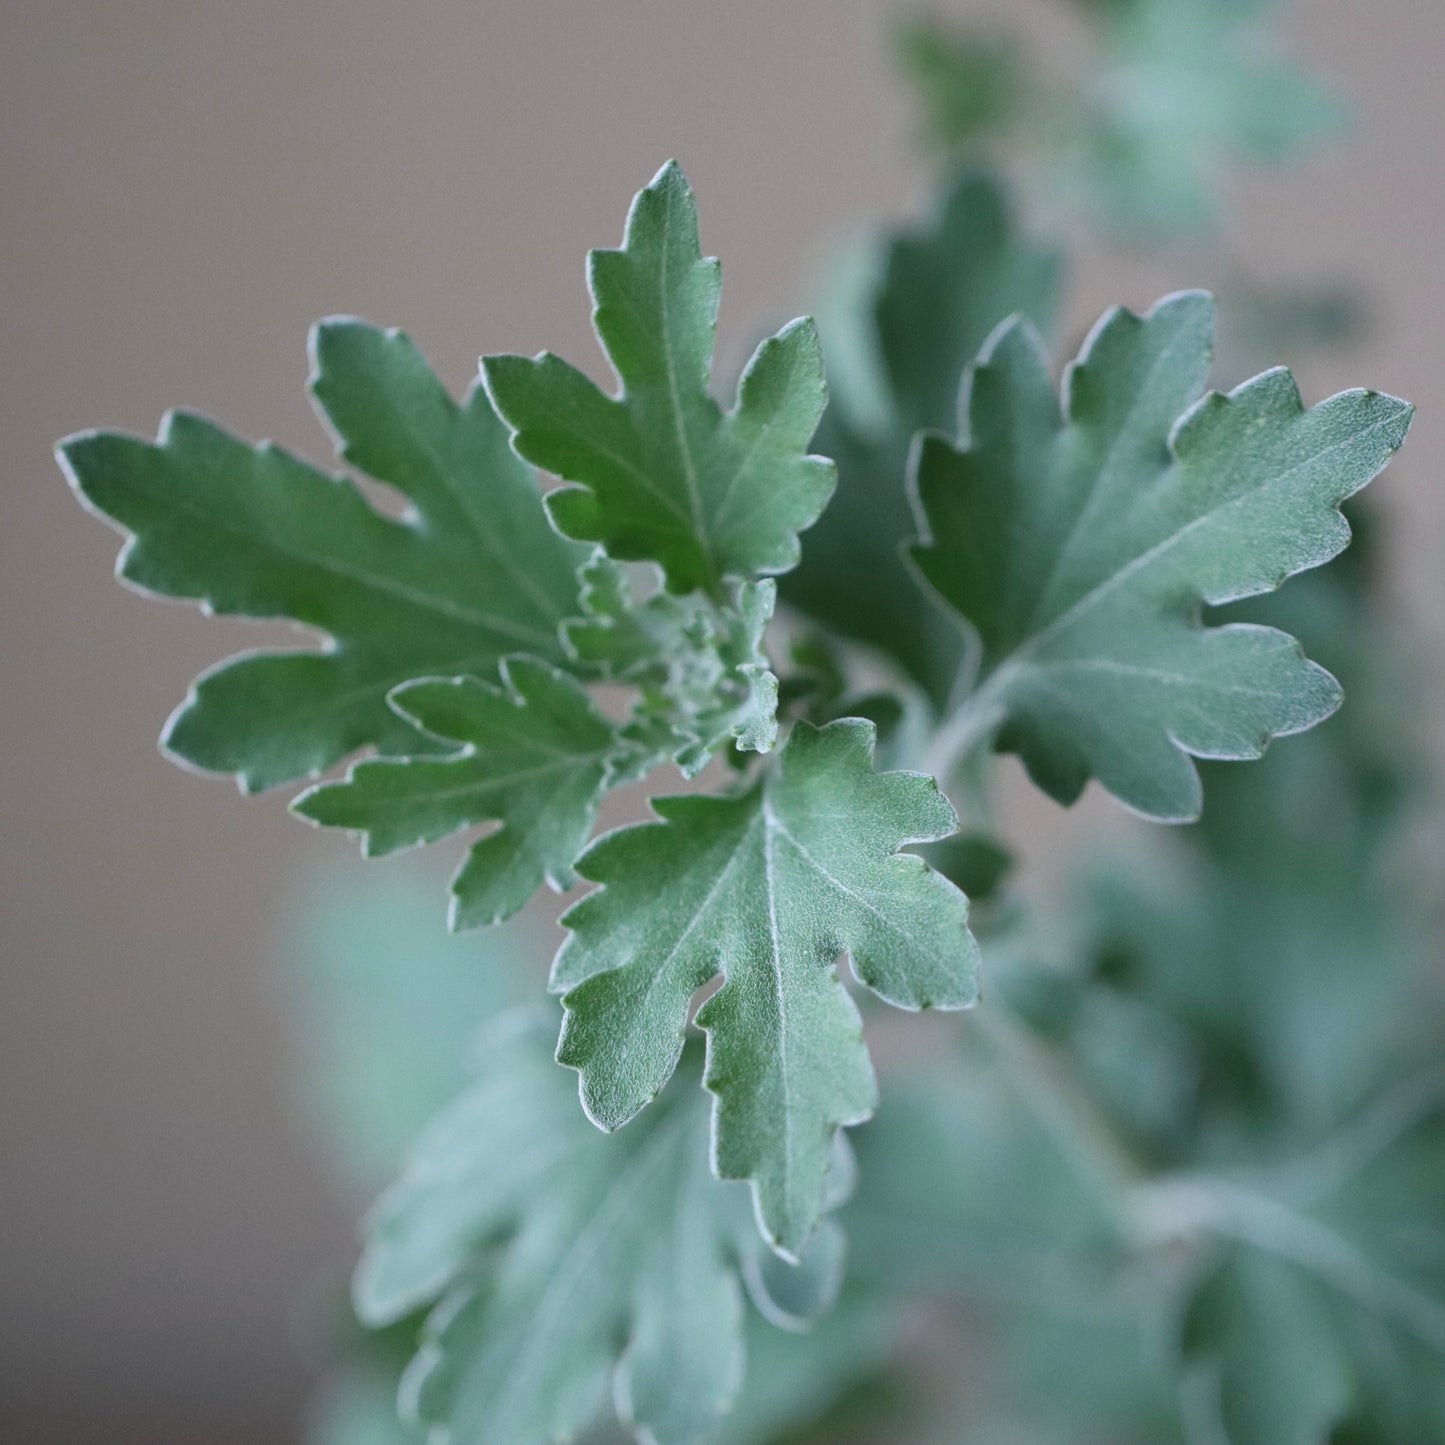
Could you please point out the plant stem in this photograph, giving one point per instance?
(969, 726)
(1173, 1208)
(1063, 1104)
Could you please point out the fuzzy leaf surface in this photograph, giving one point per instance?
(561, 1258)
(767, 886)
(535, 757)
(1080, 548)
(473, 573)
(662, 473)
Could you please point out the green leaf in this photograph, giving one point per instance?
(1264, 1358)
(967, 85)
(561, 1257)
(939, 291)
(1338, 796)
(945, 287)
(1142, 125)
(663, 473)
(1389, 1213)
(1080, 549)
(1182, 88)
(536, 757)
(767, 886)
(1327, 1301)
(702, 670)
(472, 573)
(1320, 952)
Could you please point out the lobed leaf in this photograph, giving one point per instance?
(559, 1258)
(536, 757)
(767, 886)
(662, 473)
(940, 290)
(1081, 547)
(472, 573)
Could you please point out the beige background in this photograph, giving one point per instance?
(185, 184)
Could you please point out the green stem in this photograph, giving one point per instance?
(1064, 1106)
(969, 726)
(1174, 1208)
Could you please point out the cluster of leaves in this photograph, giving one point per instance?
(1253, 1255)
(1042, 595)
(462, 637)
(1171, 92)
(541, 1243)
(1221, 1201)
(593, 1286)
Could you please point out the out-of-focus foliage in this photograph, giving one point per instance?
(1197, 1193)
(914, 311)
(552, 1259)
(380, 1058)
(1166, 94)
(380, 1049)
(968, 84)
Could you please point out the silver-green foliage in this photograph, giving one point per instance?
(536, 757)
(1080, 546)
(1141, 124)
(702, 674)
(471, 574)
(767, 886)
(558, 1259)
(929, 298)
(464, 637)
(662, 473)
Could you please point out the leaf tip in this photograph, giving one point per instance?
(669, 175)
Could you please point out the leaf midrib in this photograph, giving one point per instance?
(1106, 465)
(684, 446)
(441, 475)
(405, 592)
(481, 788)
